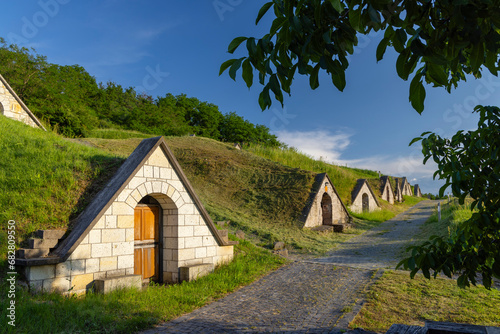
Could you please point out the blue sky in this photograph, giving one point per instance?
(177, 47)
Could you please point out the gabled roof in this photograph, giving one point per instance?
(357, 189)
(105, 198)
(26, 109)
(384, 182)
(318, 181)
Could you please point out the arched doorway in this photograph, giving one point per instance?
(365, 202)
(387, 190)
(326, 209)
(1, 108)
(148, 239)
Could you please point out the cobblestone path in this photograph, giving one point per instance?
(314, 296)
(382, 246)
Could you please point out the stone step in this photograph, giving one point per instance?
(50, 234)
(190, 273)
(119, 282)
(42, 243)
(23, 253)
(224, 234)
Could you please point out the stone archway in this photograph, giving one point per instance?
(326, 209)
(1, 109)
(365, 202)
(152, 194)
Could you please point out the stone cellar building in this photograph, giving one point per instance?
(363, 198)
(147, 224)
(386, 189)
(324, 206)
(12, 107)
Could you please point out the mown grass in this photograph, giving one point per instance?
(46, 180)
(397, 299)
(403, 300)
(127, 311)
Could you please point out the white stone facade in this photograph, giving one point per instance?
(108, 248)
(11, 107)
(364, 200)
(339, 214)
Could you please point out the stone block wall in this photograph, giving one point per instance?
(339, 213)
(357, 204)
(11, 108)
(108, 249)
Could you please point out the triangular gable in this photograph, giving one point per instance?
(398, 196)
(357, 189)
(417, 191)
(105, 198)
(21, 103)
(315, 191)
(386, 185)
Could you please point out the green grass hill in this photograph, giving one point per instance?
(47, 180)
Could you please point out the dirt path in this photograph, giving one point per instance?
(312, 296)
(382, 246)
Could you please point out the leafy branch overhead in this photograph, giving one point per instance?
(470, 163)
(438, 42)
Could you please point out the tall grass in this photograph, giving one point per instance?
(344, 178)
(117, 134)
(44, 178)
(452, 215)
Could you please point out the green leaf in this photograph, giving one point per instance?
(235, 43)
(262, 11)
(313, 79)
(264, 98)
(277, 24)
(477, 56)
(355, 19)
(275, 87)
(234, 67)
(401, 65)
(437, 74)
(414, 140)
(382, 46)
(337, 5)
(338, 75)
(247, 72)
(225, 65)
(417, 93)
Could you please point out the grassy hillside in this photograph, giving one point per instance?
(344, 178)
(48, 180)
(45, 180)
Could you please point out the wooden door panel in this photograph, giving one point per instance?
(137, 224)
(138, 261)
(146, 228)
(149, 262)
(149, 224)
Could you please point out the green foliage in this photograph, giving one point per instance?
(70, 101)
(440, 42)
(470, 163)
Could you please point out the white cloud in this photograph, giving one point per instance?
(319, 144)
(322, 144)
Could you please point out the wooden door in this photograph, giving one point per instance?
(146, 244)
(365, 203)
(326, 209)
